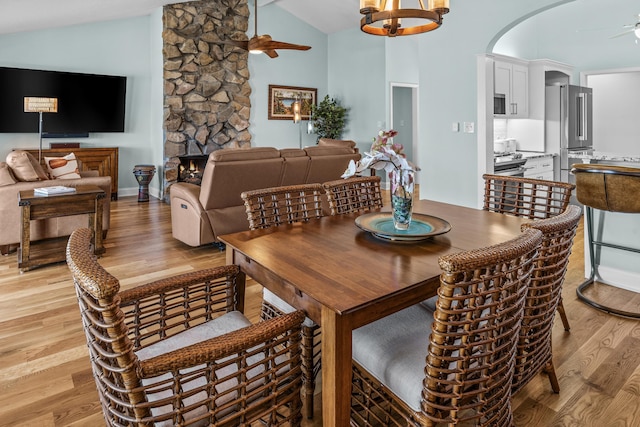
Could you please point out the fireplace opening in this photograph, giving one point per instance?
(191, 168)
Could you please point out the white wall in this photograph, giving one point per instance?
(616, 112)
(119, 47)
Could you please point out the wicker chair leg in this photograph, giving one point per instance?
(310, 341)
(550, 370)
(308, 377)
(563, 316)
(307, 352)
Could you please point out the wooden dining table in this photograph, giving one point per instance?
(344, 277)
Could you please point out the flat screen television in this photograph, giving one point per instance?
(86, 102)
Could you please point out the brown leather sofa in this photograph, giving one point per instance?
(10, 212)
(199, 214)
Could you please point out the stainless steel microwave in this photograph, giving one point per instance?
(499, 104)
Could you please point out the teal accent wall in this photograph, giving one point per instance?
(128, 47)
(351, 66)
(291, 68)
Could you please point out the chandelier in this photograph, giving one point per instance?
(383, 17)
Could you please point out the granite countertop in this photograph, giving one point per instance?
(612, 157)
(535, 154)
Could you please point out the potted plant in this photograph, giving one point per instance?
(328, 118)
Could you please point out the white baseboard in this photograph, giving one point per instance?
(614, 277)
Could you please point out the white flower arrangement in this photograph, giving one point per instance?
(385, 155)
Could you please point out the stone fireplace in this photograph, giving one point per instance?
(206, 83)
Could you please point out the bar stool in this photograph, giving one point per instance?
(607, 188)
(144, 174)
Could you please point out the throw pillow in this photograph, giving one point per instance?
(25, 167)
(6, 177)
(65, 167)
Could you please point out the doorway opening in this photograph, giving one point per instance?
(404, 119)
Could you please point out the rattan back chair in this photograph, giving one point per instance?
(358, 193)
(461, 373)
(545, 290)
(275, 206)
(531, 198)
(267, 207)
(527, 197)
(177, 351)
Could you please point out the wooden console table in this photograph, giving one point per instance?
(86, 199)
(101, 159)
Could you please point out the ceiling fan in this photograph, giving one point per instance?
(263, 43)
(632, 28)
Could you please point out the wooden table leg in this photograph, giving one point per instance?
(230, 255)
(98, 246)
(25, 238)
(336, 369)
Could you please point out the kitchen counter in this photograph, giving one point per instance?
(602, 156)
(535, 154)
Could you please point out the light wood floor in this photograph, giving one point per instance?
(45, 377)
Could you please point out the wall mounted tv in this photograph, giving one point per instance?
(86, 102)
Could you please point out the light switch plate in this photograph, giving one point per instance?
(455, 127)
(469, 127)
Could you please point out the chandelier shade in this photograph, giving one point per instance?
(389, 18)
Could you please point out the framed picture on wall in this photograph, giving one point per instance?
(281, 99)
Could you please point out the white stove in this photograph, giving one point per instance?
(511, 164)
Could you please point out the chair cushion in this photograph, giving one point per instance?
(283, 306)
(6, 177)
(65, 167)
(394, 349)
(226, 323)
(25, 167)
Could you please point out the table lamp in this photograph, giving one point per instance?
(40, 105)
(297, 116)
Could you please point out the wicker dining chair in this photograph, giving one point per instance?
(176, 352)
(545, 290)
(275, 206)
(358, 193)
(453, 365)
(531, 198)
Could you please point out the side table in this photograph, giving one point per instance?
(87, 199)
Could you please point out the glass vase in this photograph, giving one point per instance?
(401, 186)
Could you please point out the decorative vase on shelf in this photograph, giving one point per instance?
(401, 186)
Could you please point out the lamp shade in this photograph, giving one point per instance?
(34, 104)
(296, 111)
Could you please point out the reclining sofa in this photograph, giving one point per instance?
(199, 214)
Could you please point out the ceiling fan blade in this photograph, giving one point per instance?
(283, 45)
(622, 34)
(264, 43)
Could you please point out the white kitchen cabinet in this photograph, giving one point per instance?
(511, 81)
(539, 168)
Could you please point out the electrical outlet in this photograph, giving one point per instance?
(469, 127)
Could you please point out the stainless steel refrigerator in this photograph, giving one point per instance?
(568, 125)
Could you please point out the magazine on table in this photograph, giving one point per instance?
(56, 189)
